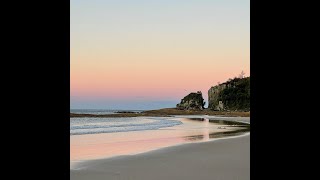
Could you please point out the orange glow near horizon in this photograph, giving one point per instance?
(159, 50)
(155, 76)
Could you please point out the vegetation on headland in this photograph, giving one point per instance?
(232, 95)
(167, 112)
(237, 95)
(193, 101)
(231, 98)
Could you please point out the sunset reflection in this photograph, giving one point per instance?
(94, 146)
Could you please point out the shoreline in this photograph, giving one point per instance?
(102, 145)
(223, 158)
(168, 112)
(82, 163)
(226, 158)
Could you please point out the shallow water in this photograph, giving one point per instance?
(80, 126)
(186, 130)
(100, 111)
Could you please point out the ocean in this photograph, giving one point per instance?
(79, 126)
(100, 111)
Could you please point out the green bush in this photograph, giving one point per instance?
(237, 94)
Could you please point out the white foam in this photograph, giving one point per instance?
(80, 126)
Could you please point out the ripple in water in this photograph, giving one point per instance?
(80, 126)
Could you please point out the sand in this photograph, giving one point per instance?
(166, 112)
(221, 159)
(106, 145)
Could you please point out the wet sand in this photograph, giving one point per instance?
(221, 159)
(224, 159)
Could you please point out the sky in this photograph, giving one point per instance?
(149, 54)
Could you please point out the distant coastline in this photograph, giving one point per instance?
(167, 112)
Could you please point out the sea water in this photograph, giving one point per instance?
(100, 111)
(84, 125)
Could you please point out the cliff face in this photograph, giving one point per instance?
(193, 101)
(231, 95)
(214, 100)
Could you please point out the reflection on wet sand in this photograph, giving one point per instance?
(95, 146)
(231, 123)
(242, 128)
(216, 135)
(197, 119)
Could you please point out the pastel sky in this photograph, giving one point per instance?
(148, 54)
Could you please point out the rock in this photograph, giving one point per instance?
(124, 112)
(193, 101)
(231, 95)
(213, 94)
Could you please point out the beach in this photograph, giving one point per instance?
(225, 158)
(165, 112)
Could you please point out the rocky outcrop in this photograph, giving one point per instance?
(193, 101)
(231, 95)
(214, 101)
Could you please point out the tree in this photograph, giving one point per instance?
(241, 75)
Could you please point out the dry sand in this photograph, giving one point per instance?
(222, 159)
